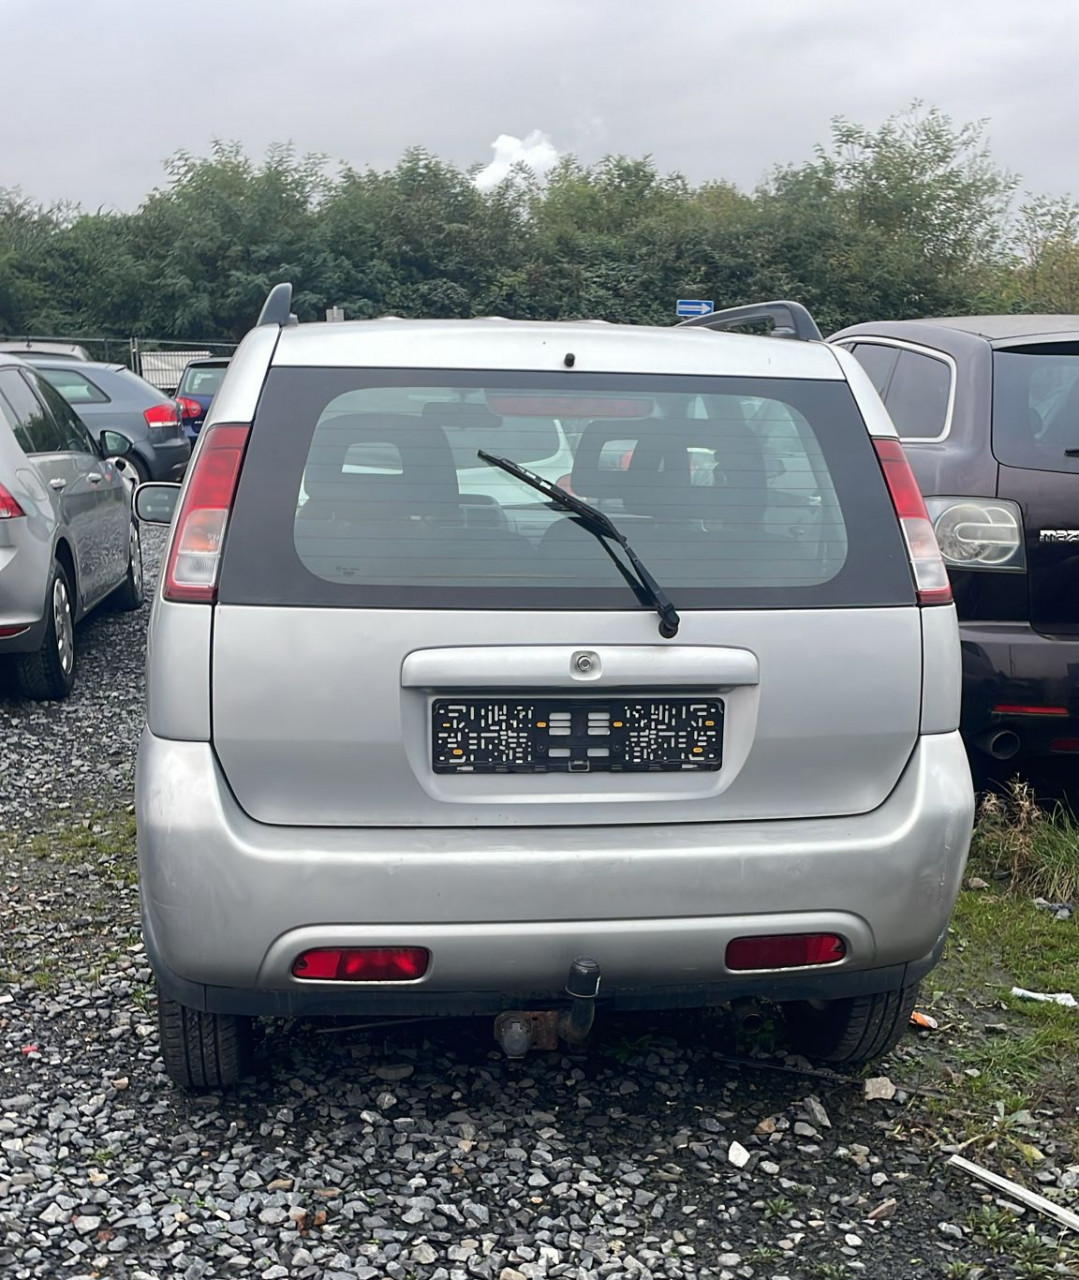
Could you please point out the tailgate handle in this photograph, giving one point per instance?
(558, 667)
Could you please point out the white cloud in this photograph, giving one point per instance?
(535, 150)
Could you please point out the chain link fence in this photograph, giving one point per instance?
(160, 362)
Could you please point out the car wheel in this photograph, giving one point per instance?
(141, 470)
(853, 1031)
(203, 1050)
(129, 595)
(49, 674)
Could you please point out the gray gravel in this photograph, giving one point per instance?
(84, 747)
(411, 1151)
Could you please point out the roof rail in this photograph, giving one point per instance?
(791, 320)
(277, 307)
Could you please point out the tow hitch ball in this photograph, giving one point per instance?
(518, 1031)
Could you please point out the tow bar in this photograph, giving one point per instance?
(519, 1030)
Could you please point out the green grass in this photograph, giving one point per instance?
(1036, 849)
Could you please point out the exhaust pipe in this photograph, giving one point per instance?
(748, 1015)
(1001, 744)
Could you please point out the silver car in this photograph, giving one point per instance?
(651, 736)
(68, 537)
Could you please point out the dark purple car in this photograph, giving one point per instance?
(197, 388)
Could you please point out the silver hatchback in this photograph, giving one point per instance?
(68, 537)
(675, 727)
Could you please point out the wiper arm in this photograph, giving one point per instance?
(645, 587)
(1071, 453)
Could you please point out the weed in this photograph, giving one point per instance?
(1037, 849)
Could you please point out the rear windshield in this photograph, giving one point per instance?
(201, 380)
(1036, 406)
(366, 489)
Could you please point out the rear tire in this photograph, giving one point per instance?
(850, 1032)
(203, 1050)
(128, 596)
(49, 674)
(140, 468)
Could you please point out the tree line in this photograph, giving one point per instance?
(912, 218)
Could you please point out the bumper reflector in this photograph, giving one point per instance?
(363, 964)
(785, 951)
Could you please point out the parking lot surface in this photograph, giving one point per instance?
(400, 1151)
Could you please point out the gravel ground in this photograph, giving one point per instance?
(412, 1151)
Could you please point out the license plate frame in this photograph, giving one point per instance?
(543, 734)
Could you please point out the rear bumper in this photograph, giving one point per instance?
(228, 903)
(168, 458)
(25, 562)
(1009, 664)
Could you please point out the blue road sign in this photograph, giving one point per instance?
(694, 307)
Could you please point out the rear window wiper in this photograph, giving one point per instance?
(1071, 453)
(645, 587)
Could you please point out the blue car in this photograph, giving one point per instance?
(197, 388)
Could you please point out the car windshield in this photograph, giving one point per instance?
(1036, 406)
(201, 380)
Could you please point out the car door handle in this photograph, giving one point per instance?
(95, 477)
(57, 483)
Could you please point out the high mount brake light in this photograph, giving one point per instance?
(926, 562)
(195, 552)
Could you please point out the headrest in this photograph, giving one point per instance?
(390, 458)
(698, 469)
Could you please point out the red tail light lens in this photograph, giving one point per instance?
(189, 408)
(785, 951)
(195, 552)
(363, 964)
(162, 415)
(9, 508)
(930, 573)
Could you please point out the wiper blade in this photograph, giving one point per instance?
(645, 587)
(1071, 453)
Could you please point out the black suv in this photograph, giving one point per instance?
(988, 411)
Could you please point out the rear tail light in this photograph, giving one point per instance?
(785, 951)
(978, 533)
(195, 552)
(363, 964)
(189, 408)
(9, 508)
(1028, 709)
(926, 561)
(160, 416)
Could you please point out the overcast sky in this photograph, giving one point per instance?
(98, 92)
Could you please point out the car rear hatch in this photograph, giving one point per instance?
(390, 649)
(1036, 442)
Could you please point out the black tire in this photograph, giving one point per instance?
(203, 1050)
(139, 466)
(129, 595)
(49, 674)
(850, 1032)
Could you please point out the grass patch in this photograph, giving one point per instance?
(1036, 849)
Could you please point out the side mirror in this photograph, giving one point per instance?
(156, 503)
(114, 444)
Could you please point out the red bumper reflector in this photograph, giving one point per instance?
(5, 632)
(1020, 709)
(1068, 745)
(785, 951)
(363, 964)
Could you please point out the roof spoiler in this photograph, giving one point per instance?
(791, 320)
(277, 309)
